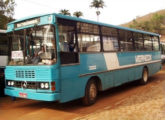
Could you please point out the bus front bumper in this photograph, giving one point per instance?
(32, 95)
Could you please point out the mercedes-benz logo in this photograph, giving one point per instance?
(24, 84)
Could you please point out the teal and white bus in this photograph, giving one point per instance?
(55, 57)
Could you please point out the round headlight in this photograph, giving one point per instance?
(46, 85)
(42, 85)
(9, 83)
(12, 83)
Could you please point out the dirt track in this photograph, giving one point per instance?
(127, 102)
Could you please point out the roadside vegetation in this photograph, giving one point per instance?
(153, 22)
(6, 12)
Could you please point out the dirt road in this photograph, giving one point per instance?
(127, 102)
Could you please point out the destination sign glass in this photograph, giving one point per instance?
(26, 23)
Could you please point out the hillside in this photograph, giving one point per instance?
(145, 17)
(152, 22)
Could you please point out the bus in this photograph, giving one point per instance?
(3, 58)
(54, 57)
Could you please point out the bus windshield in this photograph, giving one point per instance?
(33, 46)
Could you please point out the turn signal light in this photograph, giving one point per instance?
(53, 86)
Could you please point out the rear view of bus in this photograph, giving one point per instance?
(30, 73)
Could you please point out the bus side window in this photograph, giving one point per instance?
(110, 40)
(67, 42)
(63, 43)
(88, 37)
(126, 40)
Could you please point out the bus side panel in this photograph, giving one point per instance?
(117, 77)
(138, 73)
(154, 68)
(91, 63)
(69, 81)
(72, 86)
(127, 74)
(75, 77)
(95, 63)
(107, 80)
(121, 76)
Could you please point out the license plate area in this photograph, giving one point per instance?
(23, 95)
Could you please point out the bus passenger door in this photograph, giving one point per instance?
(69, 70)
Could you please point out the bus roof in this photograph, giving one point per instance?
(87, 21)
(2, 31)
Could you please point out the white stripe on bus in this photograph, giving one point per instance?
(121, 67)
(111, 61)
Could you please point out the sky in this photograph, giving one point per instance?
(116, 12)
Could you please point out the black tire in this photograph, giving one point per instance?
(90, 93)
(144, 78)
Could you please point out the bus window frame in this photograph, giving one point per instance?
(118, 39)
(76, 37)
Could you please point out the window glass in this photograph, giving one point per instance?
(67, 39)
(89, 43)
(126, 40)
(3, 44)
(147, 43)
(18, 41)
(33, 46)
(110, 41)
(155, 43)
(88, 37)
(138, 39)
(87, 28)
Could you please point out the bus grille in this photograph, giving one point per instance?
(25, 74)
(25, 84)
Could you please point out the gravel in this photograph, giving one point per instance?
(148, 105)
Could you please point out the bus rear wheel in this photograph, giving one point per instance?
(90, 93)
(144, 78)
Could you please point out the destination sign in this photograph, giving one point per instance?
(28, 22)
(17, 55)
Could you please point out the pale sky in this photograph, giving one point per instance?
(116, 11)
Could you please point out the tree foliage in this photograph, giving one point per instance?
(155, 24)
(65, 12)
(6, 12)
(97, 4)
(78, 14)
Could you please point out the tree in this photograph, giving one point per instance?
(146, 25)
(134, 24)
(78, 14)
(156, 22)
(6, 12)
(65, 12)
(97, 4)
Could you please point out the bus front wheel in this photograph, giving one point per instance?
(90, 93)
(144, 78)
